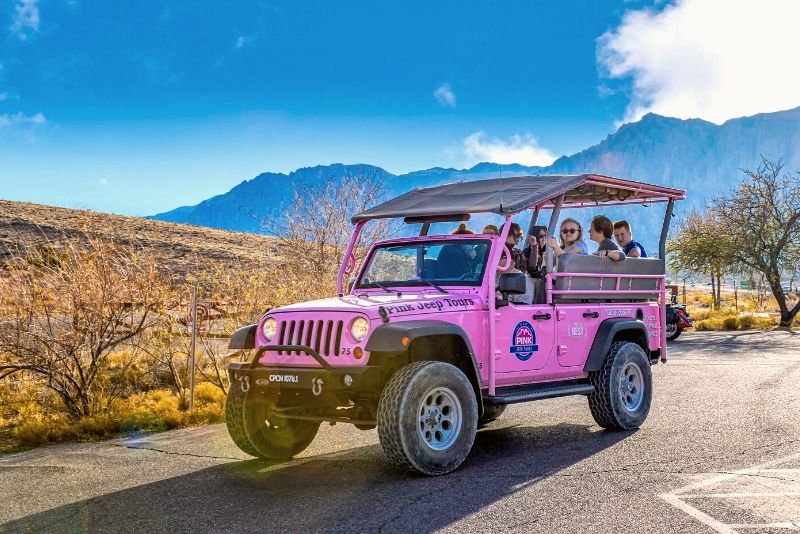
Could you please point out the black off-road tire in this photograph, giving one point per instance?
(400, 417)
(258, 431)
(234, 419)
(675, 334)
(612, 403)
(491, 413)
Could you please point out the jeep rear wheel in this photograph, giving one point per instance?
(623, 388)
(257, 428)
(490, 413)
(428, 417)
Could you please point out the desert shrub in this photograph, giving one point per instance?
(205, 392)
(746, 322)
(730, 323)
(36, 427)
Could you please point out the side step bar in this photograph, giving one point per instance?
(515, 394)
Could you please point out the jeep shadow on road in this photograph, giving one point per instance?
(348, 491)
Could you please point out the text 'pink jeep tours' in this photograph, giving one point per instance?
(428, 349)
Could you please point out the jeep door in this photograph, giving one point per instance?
(525, 335)
(576, 325)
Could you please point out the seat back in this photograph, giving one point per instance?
(590, 264)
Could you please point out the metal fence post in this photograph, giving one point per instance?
(192, 352)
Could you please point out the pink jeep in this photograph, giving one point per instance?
(431, 340)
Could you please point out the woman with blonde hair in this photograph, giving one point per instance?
(571, 239)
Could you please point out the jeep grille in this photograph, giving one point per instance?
(323, 336)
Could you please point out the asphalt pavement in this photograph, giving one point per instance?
(720, 452)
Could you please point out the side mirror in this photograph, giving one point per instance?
(512, 284)
(674, 300)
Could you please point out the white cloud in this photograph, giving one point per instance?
(445, 96)
(706, 58)
(103, 181)
(27, 18)
(19, 119)
(522, 149)
(242, 41)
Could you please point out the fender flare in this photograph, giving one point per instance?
(244, 337)
(388, 338)
(608, 330)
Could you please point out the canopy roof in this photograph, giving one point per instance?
(510, 195)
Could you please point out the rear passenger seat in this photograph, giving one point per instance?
(577, 263)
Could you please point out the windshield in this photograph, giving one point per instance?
(457, 262)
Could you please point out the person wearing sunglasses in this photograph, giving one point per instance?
(571, 239)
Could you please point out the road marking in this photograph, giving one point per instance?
(719, 526)
(694, 491)
(789, 525)
(741, 495)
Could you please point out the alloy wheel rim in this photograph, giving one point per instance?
(439, 418)
(631, 387)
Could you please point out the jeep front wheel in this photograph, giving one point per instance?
(623, 388)
(428, 417)
(257, 428)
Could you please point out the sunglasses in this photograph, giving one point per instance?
(542, 236)
(569, 231)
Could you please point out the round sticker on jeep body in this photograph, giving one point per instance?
(523, 342)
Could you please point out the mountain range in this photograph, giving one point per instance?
(701, 157)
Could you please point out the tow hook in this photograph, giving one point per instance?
(316, 387)
(244, 383)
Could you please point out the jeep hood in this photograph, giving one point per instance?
(408, 304)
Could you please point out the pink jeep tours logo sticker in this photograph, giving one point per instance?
(523, 342)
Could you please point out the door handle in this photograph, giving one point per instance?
(591, 315)
(542, 316)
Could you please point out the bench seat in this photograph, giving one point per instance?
(590, 264)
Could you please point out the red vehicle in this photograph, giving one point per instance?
(431, 340)
(678, 319)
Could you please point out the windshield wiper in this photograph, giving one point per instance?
(381, 286)
(440, 288)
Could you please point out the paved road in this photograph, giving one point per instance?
(720, 452)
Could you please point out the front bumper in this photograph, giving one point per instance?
(313, 379)
(316, 380)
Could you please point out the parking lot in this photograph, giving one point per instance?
(720, 452)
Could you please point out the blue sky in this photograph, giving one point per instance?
(140, 107)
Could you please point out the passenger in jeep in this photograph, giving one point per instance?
(535, 249)
(600, 231)
(455, 259)
(624, 236)
(518, 259)
(571, 239)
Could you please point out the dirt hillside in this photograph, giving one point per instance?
(179, 247)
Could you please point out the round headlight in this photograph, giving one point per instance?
(359, 328)
(269, 328)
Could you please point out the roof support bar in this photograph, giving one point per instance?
(494, 261)
(662, 242)
(551, 229)
(349, 259)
